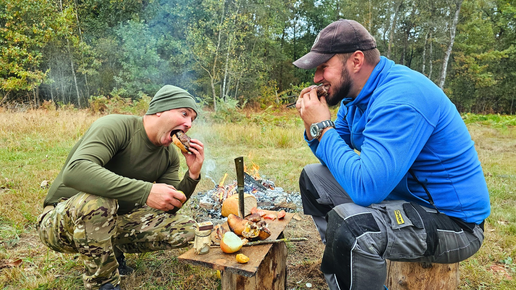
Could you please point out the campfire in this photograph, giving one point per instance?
(268, 196)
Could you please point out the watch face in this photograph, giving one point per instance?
(314, 131)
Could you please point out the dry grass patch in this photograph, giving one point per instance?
(34, 146)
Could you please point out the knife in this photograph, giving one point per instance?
(239, 164)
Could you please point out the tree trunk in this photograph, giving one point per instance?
(52, 93)
(424, 53)
(5, 97)
(224, 83)
(74, 77)
(214, 67)
(71, 64)
(512, 103)
(422, 276)
(431, 61)
(370, 16)
(80, 36)
(280, 77)
(447, 54)
(393, 26)
(294, 39)
(214, 94)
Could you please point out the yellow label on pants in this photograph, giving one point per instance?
(399, 217)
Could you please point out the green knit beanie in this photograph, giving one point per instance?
(171, 97)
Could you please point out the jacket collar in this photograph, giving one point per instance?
(372, 83)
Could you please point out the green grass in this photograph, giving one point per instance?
(34, 145)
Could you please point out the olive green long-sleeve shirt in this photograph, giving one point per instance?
(116, 159)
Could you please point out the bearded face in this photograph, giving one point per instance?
(340, 91)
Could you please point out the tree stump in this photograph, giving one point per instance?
(422, 276)
(271, 275)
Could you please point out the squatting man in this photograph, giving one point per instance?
(415, 190)
(120, 189)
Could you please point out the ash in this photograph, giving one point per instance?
(207, 205)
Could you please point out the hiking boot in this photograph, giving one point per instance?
(123, 269)
(109, 286)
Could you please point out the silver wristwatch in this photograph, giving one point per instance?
(317, 128)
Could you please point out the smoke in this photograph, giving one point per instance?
(209, 167)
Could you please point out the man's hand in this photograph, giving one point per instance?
(165, 197)
(311, 108)
(195, 160)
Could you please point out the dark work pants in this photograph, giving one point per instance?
(358, 239)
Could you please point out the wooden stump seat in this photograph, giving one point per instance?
(422, 276)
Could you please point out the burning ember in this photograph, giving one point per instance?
(269, 197)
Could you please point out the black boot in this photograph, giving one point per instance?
(109, 286)
(123, 269)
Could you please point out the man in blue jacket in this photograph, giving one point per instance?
(399, 177)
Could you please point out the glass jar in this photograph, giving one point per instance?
(203, 237)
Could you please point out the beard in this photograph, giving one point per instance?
(341, 91)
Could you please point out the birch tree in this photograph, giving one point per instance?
(448, 52)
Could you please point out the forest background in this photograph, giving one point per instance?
(241, 51)
(233, 56)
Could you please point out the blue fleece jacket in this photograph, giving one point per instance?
(400, 121)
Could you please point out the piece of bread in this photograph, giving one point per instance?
(230, 205)
(182, 141)
(322, 90)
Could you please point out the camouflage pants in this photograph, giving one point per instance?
(88, 225)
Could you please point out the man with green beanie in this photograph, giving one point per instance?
(120, 189)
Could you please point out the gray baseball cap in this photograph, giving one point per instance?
(342, 36)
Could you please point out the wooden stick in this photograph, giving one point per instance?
(275, 241)
(291, 105)
(263, 242)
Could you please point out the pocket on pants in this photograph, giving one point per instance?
(406, 234)
(53, 234)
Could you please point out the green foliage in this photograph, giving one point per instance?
(227, 111)
(27, 27)
(68, 51)
(119, 105)
(494, 120)
(143, 68)
(268, 95)
(482, 77)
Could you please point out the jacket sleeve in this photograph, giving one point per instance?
(341, 125)
(393, 138)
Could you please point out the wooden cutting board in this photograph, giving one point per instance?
(218, 260)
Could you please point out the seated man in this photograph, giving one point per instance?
(119, 189)
(399, 177)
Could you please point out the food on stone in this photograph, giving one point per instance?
(230, 243)
(182, 141)
(230, 205)
(237, 224)
(242, 259)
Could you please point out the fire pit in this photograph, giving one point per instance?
(208, 204)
